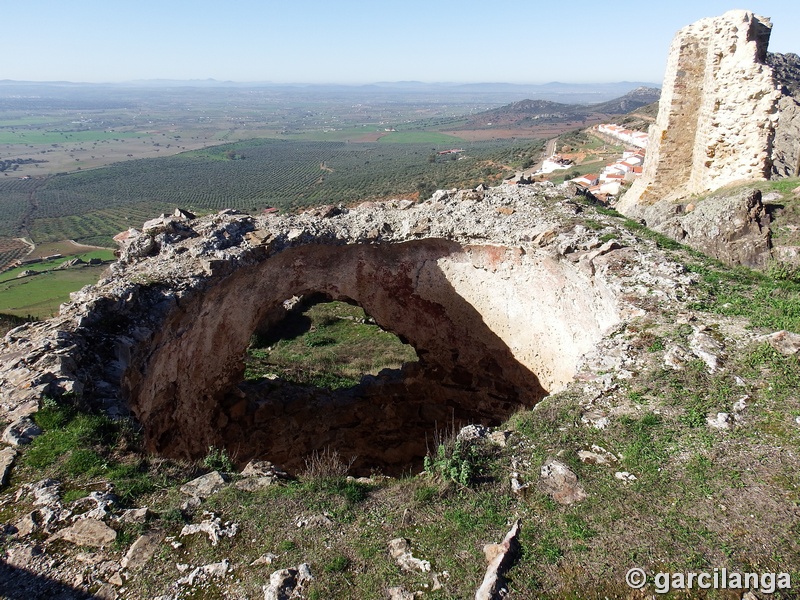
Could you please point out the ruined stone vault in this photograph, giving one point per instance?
(500, 293)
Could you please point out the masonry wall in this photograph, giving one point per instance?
(717, 112)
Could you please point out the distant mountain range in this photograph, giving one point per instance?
(571, 93)
(535, 112)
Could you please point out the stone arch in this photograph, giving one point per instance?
(475, 315)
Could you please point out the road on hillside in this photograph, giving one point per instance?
(549, 150)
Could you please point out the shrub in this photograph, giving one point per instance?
(218, 459)
(327, 464)
(455, 461)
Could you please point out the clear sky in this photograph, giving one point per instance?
(355, 41)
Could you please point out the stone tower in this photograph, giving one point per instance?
(717, 115)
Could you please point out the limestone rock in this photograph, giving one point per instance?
(86, 532)
(314, 521)
(287, 584)
(259, 474)
(134, 515)
(199, 574)
(471, 433)
(28, 524)
(142, 550)
(21, 432)
(204, 486)
(731, 227)
(560, 483)
(264, 559)
(213, 528)
(500, 557)
(707, 348)
(783, 341)
(720, 420)
(400, 551)
(399, 593)
(7, 456)
(596, 456)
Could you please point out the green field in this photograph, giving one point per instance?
(40, 295)
(92, 206)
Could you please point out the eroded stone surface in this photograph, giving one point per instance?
(729, 113)
(560, 483)
(86, 532)
(498, 313)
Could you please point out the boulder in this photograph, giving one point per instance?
(142, 550)
(86, 532)
(287, 584)
(204, 486)
(559, 482)
(7, 456)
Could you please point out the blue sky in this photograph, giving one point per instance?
(354, 41)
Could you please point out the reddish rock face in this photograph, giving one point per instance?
(501, 307)
(184, 385)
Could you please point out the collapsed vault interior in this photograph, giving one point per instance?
(494, 329)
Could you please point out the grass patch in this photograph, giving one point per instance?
(78, 447)
(329, 345)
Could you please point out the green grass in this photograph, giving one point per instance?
(332, 345)
(23, 136)
(41, 295)
(77, 447)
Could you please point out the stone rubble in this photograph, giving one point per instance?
(400, 551)
(212, 526)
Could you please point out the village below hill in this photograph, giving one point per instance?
(606, 184)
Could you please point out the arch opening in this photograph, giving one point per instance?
(490, 326)
(323, 343)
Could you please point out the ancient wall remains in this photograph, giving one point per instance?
(717, 114)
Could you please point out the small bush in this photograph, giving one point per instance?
(217, 459)
(455, 461)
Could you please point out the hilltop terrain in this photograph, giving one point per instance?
(495, 391)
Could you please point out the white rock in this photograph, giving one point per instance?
(400, 551)
(721, 420)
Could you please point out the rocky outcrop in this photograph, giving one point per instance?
(785, 145)
(732, 227)
(501, 293)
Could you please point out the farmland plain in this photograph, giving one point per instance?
(83, 162)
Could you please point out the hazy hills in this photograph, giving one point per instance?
(20, 92)
(537, 111)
